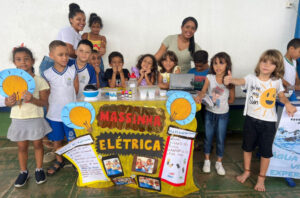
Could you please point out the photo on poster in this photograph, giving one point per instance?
(151, 183)
(123, 180)
(112, 165)
(144, 164)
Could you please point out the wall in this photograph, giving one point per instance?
(244, 29)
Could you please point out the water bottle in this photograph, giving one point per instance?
(132, 84)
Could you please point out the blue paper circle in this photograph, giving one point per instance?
(65, 113)
(182, 94)
(16, 72)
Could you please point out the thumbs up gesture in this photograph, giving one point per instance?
(228, 78)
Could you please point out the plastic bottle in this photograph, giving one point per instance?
(132, 84)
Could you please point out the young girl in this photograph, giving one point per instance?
(146, 70)
(169, 65)
(216, 117)
(99, 41)
(261, 117)
(28, 123)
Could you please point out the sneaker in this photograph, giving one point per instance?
(22, 179)
(220, 169)
(40, 176)
(206, 166)
(49, 157)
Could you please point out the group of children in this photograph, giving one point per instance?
(64, 83)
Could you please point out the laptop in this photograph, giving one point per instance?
(182, 82)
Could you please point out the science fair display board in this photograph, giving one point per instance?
(140, 144)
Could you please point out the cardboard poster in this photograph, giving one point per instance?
(286, 148)
(176, 160)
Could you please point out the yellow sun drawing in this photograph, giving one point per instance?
(267, 100)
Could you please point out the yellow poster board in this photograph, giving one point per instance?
(133, 137)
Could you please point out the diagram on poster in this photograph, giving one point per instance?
(176, 160)
(286, 148)
(87, 164)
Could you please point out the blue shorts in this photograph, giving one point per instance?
(59, 131)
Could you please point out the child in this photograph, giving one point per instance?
(28, 123)
(290, 78)
(259, 127)
(216, 117)
(63, 81)
(200, 59)
(86, 73)
(96, 62)
(146, 70)
(98, 41)
(117, 76)
(169, 65)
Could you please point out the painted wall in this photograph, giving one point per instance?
(244, 29)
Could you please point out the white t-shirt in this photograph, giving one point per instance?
(2, 101)
(261, 97)
(219, 95)
(69, 35)
(62, 90)
(290, 72)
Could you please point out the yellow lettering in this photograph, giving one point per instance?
(134, 144)
(141, 144)
(118, 143)
(126, 142)
(146, 145)
(156, 146)
(109, 146)
(102, 145)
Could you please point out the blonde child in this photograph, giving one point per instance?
(216, 116)
(261, 117)
(168, 63)
(28, 123)
(146, 70)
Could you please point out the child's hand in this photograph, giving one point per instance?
(228, 79)
(148, 71)
(142, 72)
(290, 109)
(27, 96)
(97, 70)
(120, 69)
(115, 69)
(11, 100)
(198, 98)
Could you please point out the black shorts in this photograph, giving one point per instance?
(259, 133)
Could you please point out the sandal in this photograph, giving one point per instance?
(54, 168)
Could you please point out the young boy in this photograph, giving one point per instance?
(96, 62)
(86, 72)
(117, 76)
(63, 81)
(290, 77)
(201, 68)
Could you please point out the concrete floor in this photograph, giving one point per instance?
(211, 185)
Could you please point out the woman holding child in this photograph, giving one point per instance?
(183, 45)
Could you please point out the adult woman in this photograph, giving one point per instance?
(70, 35)
(183, 45)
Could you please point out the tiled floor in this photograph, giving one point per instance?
(211, 185)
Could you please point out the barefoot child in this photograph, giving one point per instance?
(261, 117)
(28, 123)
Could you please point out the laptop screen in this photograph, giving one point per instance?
(182, 81)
